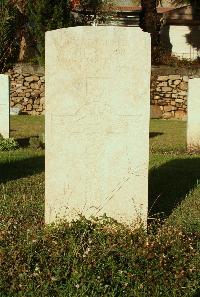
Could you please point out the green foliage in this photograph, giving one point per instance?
(42, 138)
(45, 15)
(9, 19)
(98, 257)
(93, 5)
(185, 2)
(8, 144)
(94, 11)
(36, 142)
(95, 257)
(164, 143)
(27, 126)
(162, 57)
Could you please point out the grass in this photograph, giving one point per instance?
(167, 136)
(171, 179)
(174, 174)
(101, 257)
(26, 126)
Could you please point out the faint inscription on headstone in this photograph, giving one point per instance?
(97, 123)
(4, 106)
(193, 126)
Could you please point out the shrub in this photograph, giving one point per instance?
(9, 20)
(45, 15)
(36, 142)
(8, 144)
(98, 258)
(162, 57)
(94, 11)
(42, 138)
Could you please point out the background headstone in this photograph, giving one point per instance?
(15, 110)
(193, 125)
(97, 123)
(4, 106)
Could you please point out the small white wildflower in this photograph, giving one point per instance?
(86, 252)
(37, 268)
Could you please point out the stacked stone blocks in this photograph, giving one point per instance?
(170, 93)
(27, 91)
(168, 90)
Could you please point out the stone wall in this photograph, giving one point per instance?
(169, 87)
(27, 89)
(170, 93)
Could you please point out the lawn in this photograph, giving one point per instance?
(101, 257)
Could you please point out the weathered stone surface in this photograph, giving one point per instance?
(185, 78)
(179, 100)
(167, 115)
(174, 108)
(182, 93)
(156, 112)
(29, 78)
(162, 78)
(193, 126)
(42, 100)
(4, 106)
(174, 95)
(36, 78)
(167, 108)
(166, 89)
(177, 82)
(24, 87)
(183, 86)
(18, 83)
(170, 82)
(29, 107)
(32, 78)
(97, 136)
(174, 77)
(15, 111)
(40, 108)
(162, 84)
(180, 115)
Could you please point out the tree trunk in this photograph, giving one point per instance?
(150, 22)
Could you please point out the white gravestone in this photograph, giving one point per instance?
(193, 125)
(4, 106)
(97, 123)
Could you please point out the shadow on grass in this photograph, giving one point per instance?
(21, 168)
(154, 134)
(169, 184)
